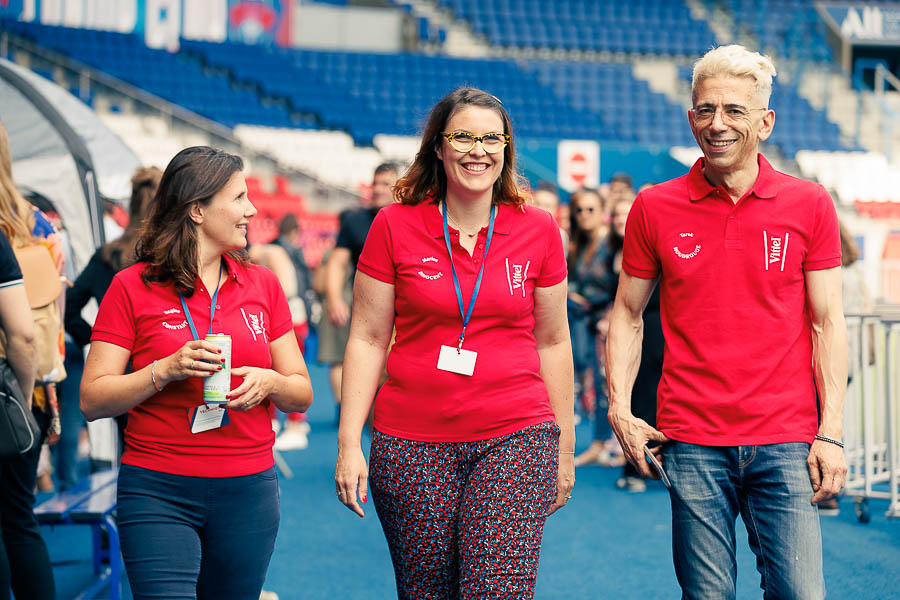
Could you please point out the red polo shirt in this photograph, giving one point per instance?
(406, 249)
(738, 355)
(149, 322)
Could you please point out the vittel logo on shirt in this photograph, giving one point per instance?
(433, 275)
(775, 249)
(174, 311)
(690, 252)
(516, 276)
(256, 324)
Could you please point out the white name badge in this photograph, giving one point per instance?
(462, 361)
(206, 417)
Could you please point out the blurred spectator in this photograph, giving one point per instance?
(93, 282)
(587, 299)
(24, 562)
(855, 293)
(855, 296)
(354, 227)
(26, 225)
(597, 277)
(285, 258)
(643, 395)
(112, 229)
(546, 197)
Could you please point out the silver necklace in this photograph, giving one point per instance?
(456, 223)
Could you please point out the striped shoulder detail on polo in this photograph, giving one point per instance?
(12, 283)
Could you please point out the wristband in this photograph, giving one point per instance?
(153, 376)
(566, 452)
(822, 438)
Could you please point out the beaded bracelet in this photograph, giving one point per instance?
(566, 452)
(153, 376)
(829, 440)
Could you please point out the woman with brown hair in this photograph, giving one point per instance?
(24, 561)
(474, 436)
(197, 492)
(93, 282)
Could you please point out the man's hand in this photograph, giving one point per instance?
(338, 312)
(827, 470)
(633, 434)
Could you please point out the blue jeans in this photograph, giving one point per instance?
(769, 487)
(197, 537)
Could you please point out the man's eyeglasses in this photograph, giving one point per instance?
(463, 141)
(730, 114)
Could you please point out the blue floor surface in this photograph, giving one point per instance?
(606, 543)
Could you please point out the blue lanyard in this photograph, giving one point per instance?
(467, 314)
(212, 309)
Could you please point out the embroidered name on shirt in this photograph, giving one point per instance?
(690, 254)
(516, 278)
(425, 275)
(775, 249)
(430, 276)
(167, 325)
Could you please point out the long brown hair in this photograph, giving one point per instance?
(426, 180)
(119, 253)
(849, 248)
(168, 240)
(16, 214)
(581, 240)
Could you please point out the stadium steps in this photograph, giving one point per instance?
(834, 93)
(458, 37)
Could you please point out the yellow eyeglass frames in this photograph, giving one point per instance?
(463, 141)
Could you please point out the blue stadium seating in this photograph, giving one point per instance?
(649, 26)
(173, 77)
(788, 28)
(367, 93)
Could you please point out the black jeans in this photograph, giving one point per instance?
(24, 561)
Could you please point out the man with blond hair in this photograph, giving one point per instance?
(748, 262)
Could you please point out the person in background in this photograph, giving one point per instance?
(588, 297)
(737, 416)
(340, 270)
(546, 197)
(112, 229)
(192, 279)
(856, 301)
(643, 397)
(621, 185)
(468, 458)
(92, 283)
(24, 561)
(285, 258)
(27, 226)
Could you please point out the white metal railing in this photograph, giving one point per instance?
(871, 413)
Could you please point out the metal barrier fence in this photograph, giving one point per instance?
(871, 421)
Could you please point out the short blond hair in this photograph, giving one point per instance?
(736, 61)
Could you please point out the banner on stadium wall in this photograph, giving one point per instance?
(865, 24)
(578, 164)
(163, 22)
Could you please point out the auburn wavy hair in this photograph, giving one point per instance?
(168, 239)
(425, 179)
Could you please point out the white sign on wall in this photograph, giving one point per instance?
(578, 164)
